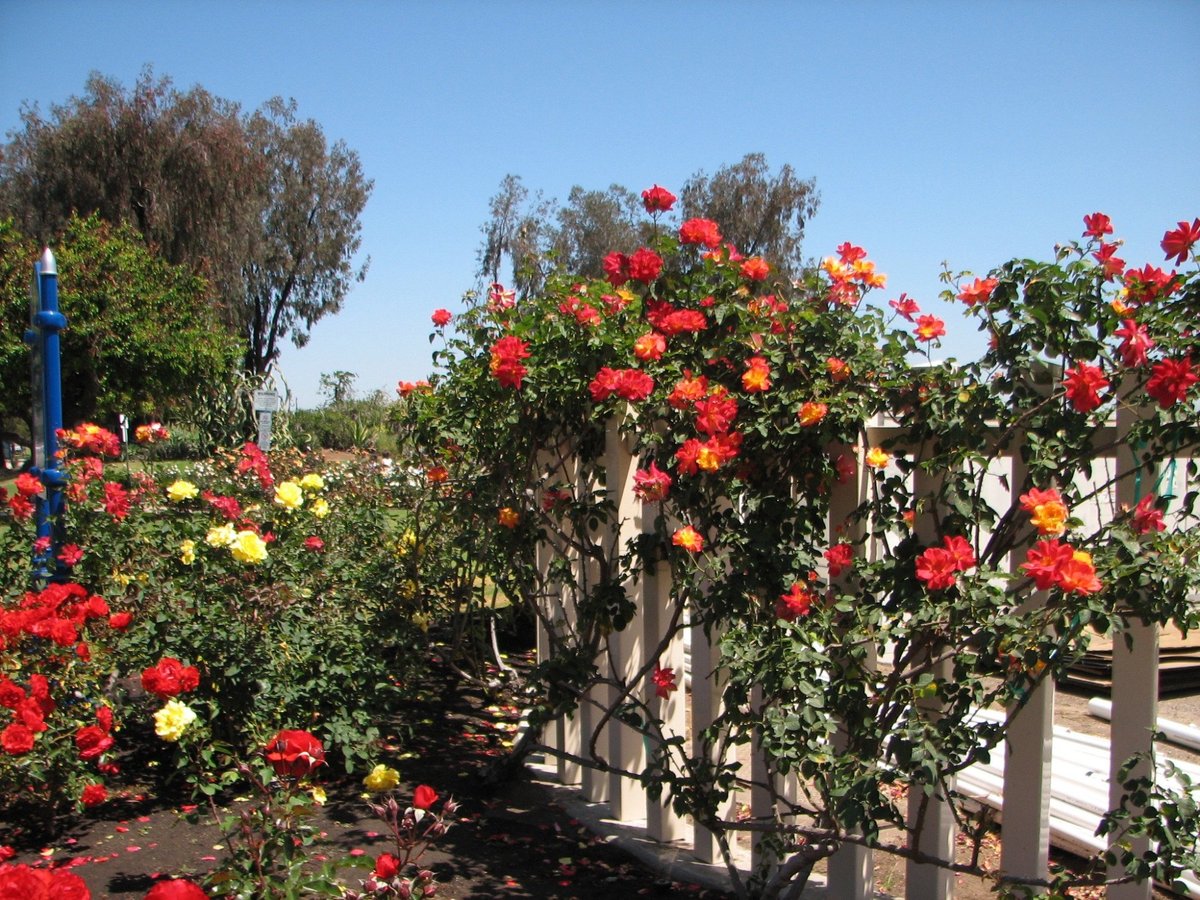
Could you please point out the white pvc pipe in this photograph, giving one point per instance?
(1187, 735)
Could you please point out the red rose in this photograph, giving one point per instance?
(1170, 381)
(28, 484)
(441, 317)
(657, 199)
(755, 268)
(795, 603)
(700, 231)
(20, 506)
(11, 693)
(616, 268)
(170, 678)
(24, 883)
(645, 265)
(70, 555)
(16, 740)
(120, 621)
(94, 795)
(314, 543)
(294, 753)
(387, 867)
(92, 741)
(176, 889)
(840, 558)
(1083, 383)
(1097, 225)
(424, 796)
(1178, 243)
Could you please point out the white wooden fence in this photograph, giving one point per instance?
(1025, 809)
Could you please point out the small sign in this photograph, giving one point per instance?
(264, 431)
(266, 401)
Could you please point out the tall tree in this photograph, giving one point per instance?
(593, 224)
(300, 265)
(177, 166)
(141, 333)
(518, 229)
(761, 213)
(257, 203)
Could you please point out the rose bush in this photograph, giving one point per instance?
(265, 588)
(745, 409)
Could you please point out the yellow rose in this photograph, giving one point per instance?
(248, 547)
(406, 543)
(220, 536)
(172, 721)
(181, 490)
(381, 778)
(878, 458)
(312, 482)
(187, 552)
(320, 508)
(289, 495)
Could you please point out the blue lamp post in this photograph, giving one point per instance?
(46, 378)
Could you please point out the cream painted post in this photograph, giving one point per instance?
(707, 688)
(1028, 747)
(551, 603)
(764, 783)
(662, 823)
(592, 783)
(852, 868)
(930, 881)
(1134, 672)
(626, 648)
(564, 735)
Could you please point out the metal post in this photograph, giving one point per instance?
(46, 371)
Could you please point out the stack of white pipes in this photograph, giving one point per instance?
(1079, 790)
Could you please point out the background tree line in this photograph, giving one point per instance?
(760, 212)
(258, 207)
(194, 237)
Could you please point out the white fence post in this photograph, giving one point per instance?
(1134, 673)
(626, 648)
(851, 869)
(935, 837)
(593, 783)
(662, 823)
(1028, 748)
(707, 687)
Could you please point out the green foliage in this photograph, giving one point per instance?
(55, 661)
(352, 423)
(294, 611)
(140, 335)
(258, 203)
(533, 399)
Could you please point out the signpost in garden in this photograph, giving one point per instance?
(46, 387)
(266, 404)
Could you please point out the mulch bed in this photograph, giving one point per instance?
(510, 841)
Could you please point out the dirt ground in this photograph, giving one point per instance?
(517, 842)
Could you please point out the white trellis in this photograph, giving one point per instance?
(1027, 752)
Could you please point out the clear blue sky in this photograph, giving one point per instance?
(966, 132)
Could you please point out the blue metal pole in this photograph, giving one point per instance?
(48, 322)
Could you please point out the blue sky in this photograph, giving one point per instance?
(964, 132)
